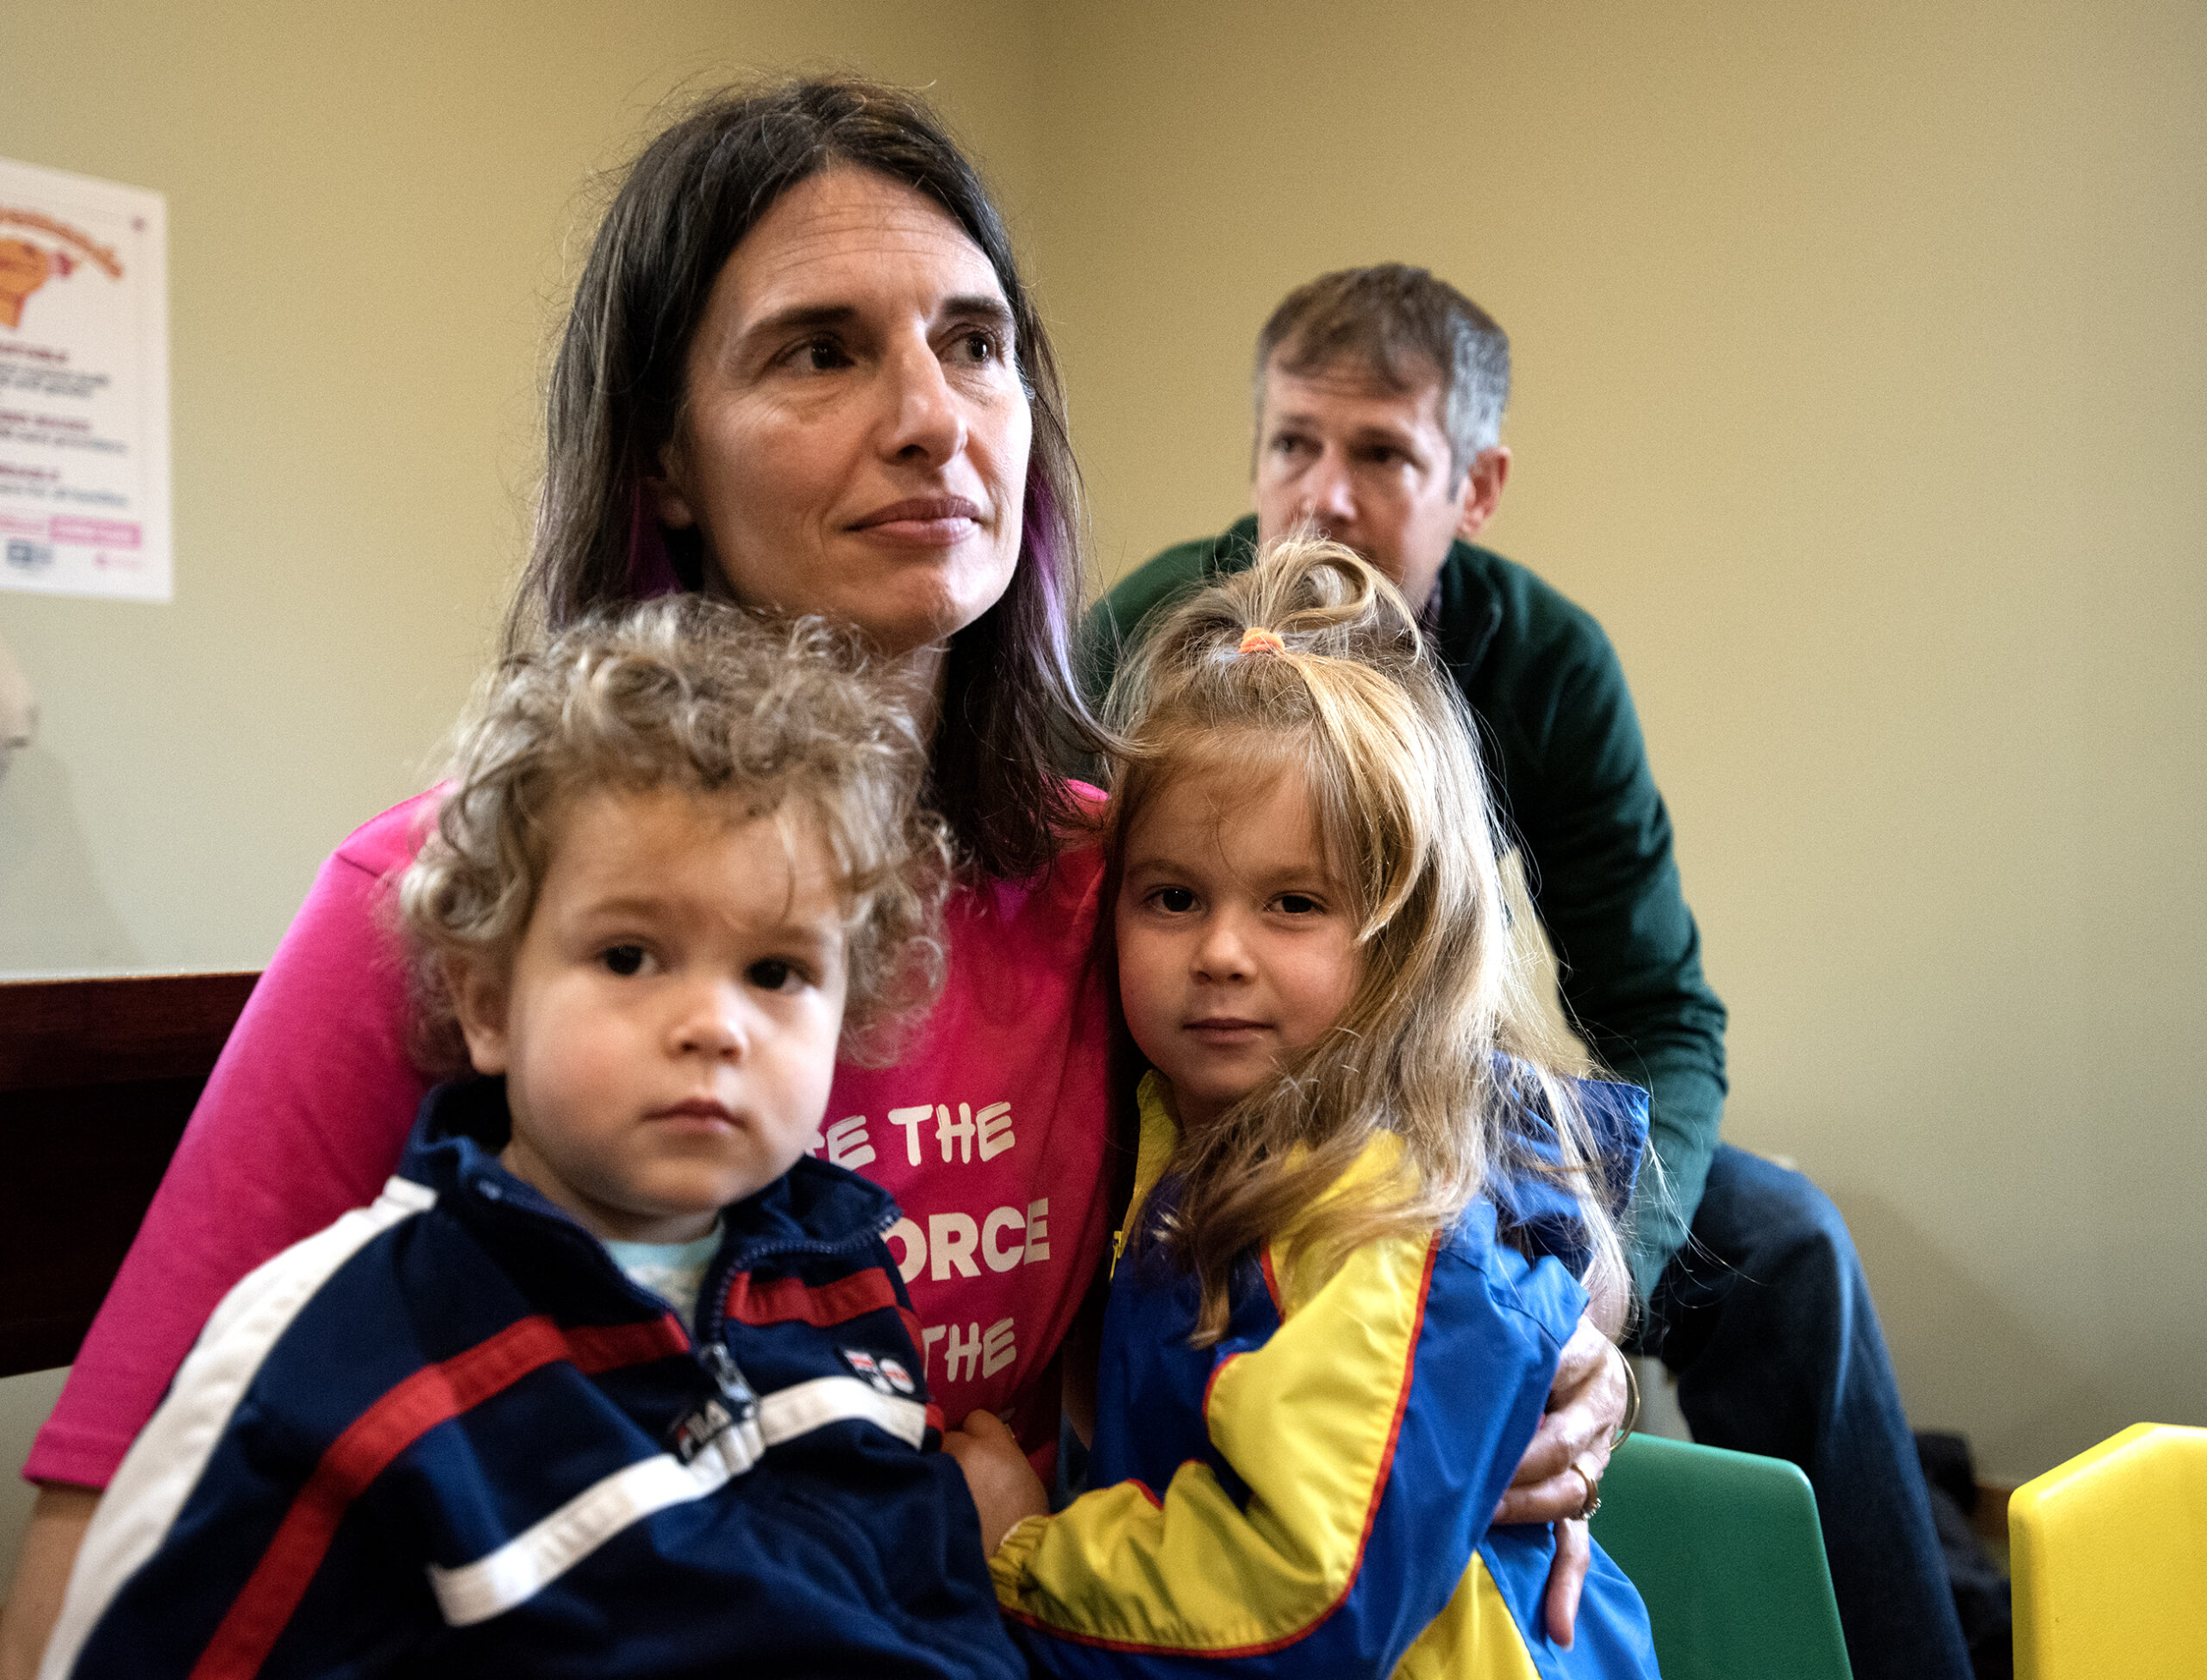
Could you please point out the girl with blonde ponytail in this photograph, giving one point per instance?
(1368, 1209)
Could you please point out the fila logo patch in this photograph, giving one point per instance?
(697, 1429)
(880, 1373)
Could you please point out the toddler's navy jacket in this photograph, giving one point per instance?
(448, 1436)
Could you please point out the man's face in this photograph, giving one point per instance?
(1370, 466)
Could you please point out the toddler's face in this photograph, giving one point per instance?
(1236, 943)
(668, 1031)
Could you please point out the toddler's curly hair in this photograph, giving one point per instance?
(781, 716)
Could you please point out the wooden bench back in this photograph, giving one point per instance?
(96, 1080)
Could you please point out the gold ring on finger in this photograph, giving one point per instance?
(1593, 1495)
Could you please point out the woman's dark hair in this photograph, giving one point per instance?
(1010, 701)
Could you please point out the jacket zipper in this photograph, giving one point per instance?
(733, 1397)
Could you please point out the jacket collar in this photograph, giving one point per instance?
(1159, 1135)
(463, 1124)
(1462, 616)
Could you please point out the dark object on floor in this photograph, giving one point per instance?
(1980, 1590)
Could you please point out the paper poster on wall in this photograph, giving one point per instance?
(84, 386)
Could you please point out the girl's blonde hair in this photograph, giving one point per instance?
(779, 716)
(1310, 662)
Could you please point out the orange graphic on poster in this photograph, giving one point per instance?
(23, 268)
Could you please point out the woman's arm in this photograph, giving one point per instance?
(1357, 1454)
(59, 1519)
(1588, 1401)
(304, 1117)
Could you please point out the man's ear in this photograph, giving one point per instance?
(478, 996)
(1482, 490)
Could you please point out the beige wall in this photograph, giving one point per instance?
(1862, 369)
(374, 211)
(1862, 363)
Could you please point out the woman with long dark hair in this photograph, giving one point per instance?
(800, 370)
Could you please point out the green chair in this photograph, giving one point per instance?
(1725, 1549)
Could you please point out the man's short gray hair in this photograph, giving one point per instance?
(1405, 327)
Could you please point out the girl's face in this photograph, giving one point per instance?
(1235, 944)
(854, 434)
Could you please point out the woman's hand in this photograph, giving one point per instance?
(1004, 1486)
(1569, 1452)
(1574, 1550)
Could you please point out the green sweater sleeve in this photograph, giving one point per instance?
(1570, 767)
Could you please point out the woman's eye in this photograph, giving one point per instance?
(1299, 904)
(980, 346)
(622, 959)
(820, 355)
(772, 975)
(1174, 901)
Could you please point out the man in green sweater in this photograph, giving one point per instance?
(1379, 399)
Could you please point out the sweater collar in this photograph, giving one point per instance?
(1461, 616)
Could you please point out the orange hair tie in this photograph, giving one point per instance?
(1262, 641)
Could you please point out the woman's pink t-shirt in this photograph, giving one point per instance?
(990, 1133)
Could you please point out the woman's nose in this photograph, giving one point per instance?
(926, 421)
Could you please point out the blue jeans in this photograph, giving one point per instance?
(1766, 1319)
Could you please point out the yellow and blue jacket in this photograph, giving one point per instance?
(1311, 1495)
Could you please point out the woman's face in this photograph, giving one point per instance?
(853, 442)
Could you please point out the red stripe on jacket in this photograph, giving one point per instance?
(791, 1300)
(434, 1395)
